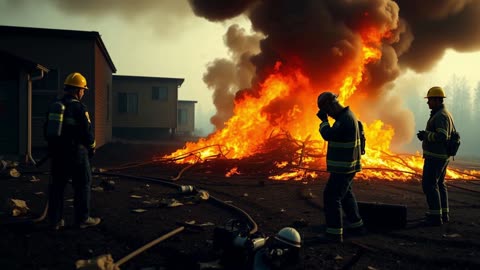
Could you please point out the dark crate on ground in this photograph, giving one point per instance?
(380, 217)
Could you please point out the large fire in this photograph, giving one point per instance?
(279, 107)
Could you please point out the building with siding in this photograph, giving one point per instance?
(64, 52)
(146, 108)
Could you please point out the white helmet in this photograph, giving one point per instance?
(289, 236)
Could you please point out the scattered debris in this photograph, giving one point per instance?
(171, 202)
(39, 193)
(18, 207)
(139, 210)
(8, 169)
(97, 188)
(202, 195)
(152, 203)
(34, 179)
(133, 196)
(338, 258)
(102, 262)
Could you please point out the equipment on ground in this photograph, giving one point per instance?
(289, 236)
(237, 245)
(280, 251)
(383, 217)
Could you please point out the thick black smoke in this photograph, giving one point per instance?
(323, 38)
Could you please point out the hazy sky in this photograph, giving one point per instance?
(165, 39)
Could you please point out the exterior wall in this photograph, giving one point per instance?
(65, 53)
(103, 96)
(154, 119)
(151, 113)
(188, 127)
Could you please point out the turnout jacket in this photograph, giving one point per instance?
(76, 127)
(438, 131)
(344, 146)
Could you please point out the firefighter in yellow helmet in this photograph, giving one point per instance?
(343, 162)
(71, 145)
(434, 140)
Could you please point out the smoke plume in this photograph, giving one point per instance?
(227, 76)
(323, 39)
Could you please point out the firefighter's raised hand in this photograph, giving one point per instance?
(322, 115)
(421, 135)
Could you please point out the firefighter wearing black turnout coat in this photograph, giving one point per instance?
(71, 144)
(343, 162)
(434, 144)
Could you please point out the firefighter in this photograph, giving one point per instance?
(71, 145)
(434, 140)
(343, 162)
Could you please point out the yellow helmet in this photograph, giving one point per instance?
(77, 80)
(435, 91)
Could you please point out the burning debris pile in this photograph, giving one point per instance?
(353, 48)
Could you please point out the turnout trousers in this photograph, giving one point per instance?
(433, 185)
(338, 196)
(74, 165)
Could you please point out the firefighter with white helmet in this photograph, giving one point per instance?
(343, 162)
(71, 144)
(434, 144)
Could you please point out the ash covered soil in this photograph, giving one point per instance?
(135, 212)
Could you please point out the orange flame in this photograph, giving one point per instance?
(256, 119)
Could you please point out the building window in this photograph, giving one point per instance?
(182, 116)
(127, 102)
(160, 93)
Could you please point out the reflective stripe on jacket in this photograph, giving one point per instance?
(344, 146)
(438, 131)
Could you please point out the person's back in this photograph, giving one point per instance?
(71, 144)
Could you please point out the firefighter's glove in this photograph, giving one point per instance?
(421, 135)
(91, 153)
(322, 115)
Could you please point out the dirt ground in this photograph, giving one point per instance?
(135, 212)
